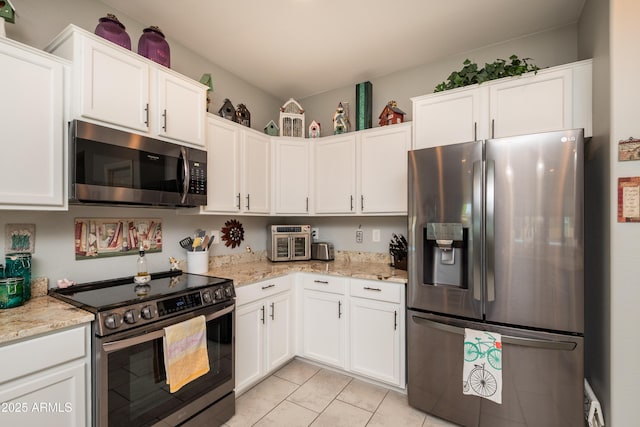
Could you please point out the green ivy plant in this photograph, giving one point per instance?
(470, 74)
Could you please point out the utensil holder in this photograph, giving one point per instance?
(197, 262)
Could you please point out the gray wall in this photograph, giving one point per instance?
(593, 33)
(547, 49)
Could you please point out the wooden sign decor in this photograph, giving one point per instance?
(629, 199)
(107, 237)
(629, 149)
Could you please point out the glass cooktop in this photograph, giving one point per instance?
(99, 296)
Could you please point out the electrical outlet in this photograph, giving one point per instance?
(359, 236)
(215, 235)
(375, 235)
(315, 234)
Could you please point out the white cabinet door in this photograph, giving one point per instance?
(223, 165)
(181, 109)
(33, 108)
(324, 327)
(335, 175)
(250, 320)
(383, 169)
(115, 86)
(256, 172)
(292, 175)
(531, 104)
(374, 338)
(279, 337)
(460, 115)
(53, 398)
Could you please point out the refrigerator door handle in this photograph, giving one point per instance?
(477, 230)
(490, 230)
(506, 339)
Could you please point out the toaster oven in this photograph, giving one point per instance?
(289, 242)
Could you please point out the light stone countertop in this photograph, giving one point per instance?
(41, 314)
(249, 270)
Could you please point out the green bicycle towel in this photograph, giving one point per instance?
(482, 368)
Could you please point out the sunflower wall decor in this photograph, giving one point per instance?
(232, 233)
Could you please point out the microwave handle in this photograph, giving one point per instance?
(187, 175)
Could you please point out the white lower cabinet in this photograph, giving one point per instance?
(264, 329)
(45, 380)
(376, 330)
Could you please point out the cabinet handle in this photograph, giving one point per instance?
(321, 282)
(268, 286)
(362, 202)
(164, 116)
(493, 128)
(307, 204)
(262, 309)
(238, 201)
(475, 131)
(351, 203)
(339, 309)
(146, 113)
(273, 311)
(367, 288)
(248, 200)
(395, 320)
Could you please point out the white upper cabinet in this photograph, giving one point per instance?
(382, 163)
(121, 88)
(551, 99)
(335, 174)
(292, 175)
(33, 117)
(238, 168)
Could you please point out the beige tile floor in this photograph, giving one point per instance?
(302, 394)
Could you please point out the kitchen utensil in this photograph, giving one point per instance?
(205, 243)
(187, 243)
(210, 241)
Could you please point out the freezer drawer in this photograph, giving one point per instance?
(542, 375)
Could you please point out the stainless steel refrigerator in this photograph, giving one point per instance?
(496, 244)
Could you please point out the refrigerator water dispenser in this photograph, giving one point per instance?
(445, 260)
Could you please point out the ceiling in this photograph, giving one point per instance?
(298, 48)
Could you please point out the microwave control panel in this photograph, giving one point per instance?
(198, 183)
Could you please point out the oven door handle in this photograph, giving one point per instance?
(129, 342)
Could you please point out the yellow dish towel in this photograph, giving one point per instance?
(185, 352)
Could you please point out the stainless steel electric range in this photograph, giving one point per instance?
(128, 375)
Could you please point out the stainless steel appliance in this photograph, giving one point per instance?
(322, 251)
(496, 244)
(128, 374)
(288, 242)
(109, 166)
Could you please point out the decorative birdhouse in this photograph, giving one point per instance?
(314, 129)
(271, 128)
(341, 119)
(227, 110)
(243, 116)
(292, 119)
(207, 81)
(391, 114)
(7, 11)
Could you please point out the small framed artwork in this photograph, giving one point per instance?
(629, 149)
(20, 238)
(629, 199)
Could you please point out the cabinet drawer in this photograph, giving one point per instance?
(377, 290)
(332, 284)
(249, 293)
(41, 352)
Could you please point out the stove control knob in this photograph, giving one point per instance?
(219, 293)
(131, 316)
(206, 297)
(148, 312)
(228, 291)
(113, 321)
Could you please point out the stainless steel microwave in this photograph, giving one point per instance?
(289, 242)
(109, 166)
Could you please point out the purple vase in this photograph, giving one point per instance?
(111, 29)
(152, 45)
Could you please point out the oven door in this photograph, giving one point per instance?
(300, 246)
(130, 386)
